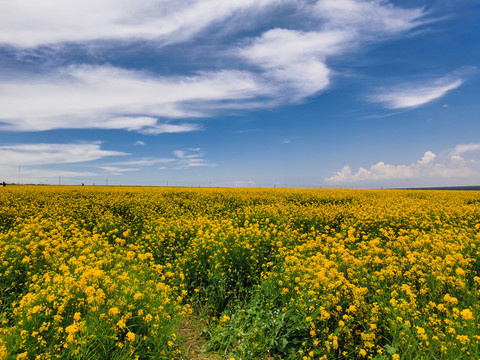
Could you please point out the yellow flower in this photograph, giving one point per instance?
(72, 329)
(352, 308)
(460, 272)
(225, 318)
(450, 299)
(121, 324)
(36, 309)
(22, 356)
(467, 314)
(77, 316)
(130, 336)
(463, 339)
(113, 311)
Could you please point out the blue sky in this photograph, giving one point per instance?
(286, 93)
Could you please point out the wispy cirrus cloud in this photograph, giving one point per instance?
(41, 175)
(371, 18)
(30, 24)
(464, 148)
(289, 140)
(181, 159)
(94, 96)
(33, 163)
(297, 60)
(170, 128)
(411, 95)
(190, 158)
(116, 170)
(278, 66)
(150, 161)
(40, 154)
(429, 166)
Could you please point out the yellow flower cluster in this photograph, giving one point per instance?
(72, 292)
(103, 272)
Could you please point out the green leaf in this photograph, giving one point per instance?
(390, 349)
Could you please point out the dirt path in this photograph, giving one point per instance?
(192, 344)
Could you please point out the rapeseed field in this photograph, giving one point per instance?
(114, 272)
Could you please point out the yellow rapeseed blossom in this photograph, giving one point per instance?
(318, 273)
(113, 311)
(225, 318)
(467, 314)
(130, 336)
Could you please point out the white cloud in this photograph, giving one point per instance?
(190, 158)
(115, 170)
(40, 163)
(264, 50)
(454, 166)
(34, 175)
(285, 65)
(26, 162)
(289, 140)
(39, 154)
(145, 162)
(297, 60)
(92, 96)
(373, 17)
(427, 158)
(463, 148)
(24, 23)
(301, 63)
(183, 154)
(182, 159)
(171, 128)
(139, 143)
(415, 94)
(130, 123)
